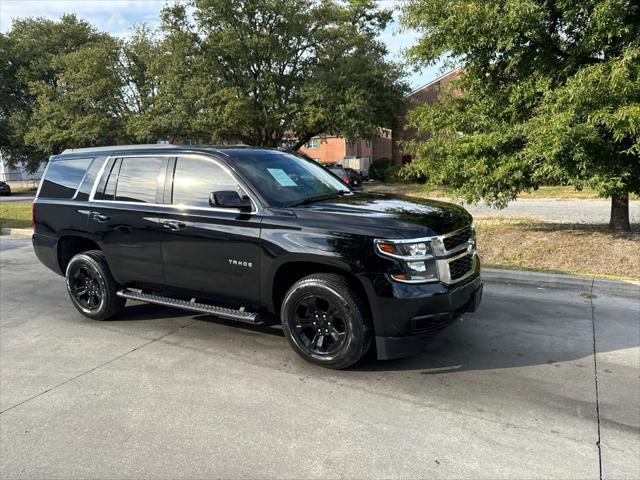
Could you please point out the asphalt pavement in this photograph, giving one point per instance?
(552, 210)
(511, 391)
(17, 198)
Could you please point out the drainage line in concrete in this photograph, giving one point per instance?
(595, 372)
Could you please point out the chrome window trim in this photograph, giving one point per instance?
(253, 211)
(86, 172)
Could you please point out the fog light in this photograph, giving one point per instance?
(417, 267)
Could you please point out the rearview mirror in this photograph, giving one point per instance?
(229, 199)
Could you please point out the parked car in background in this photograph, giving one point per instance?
(356, 176)
(347, 175)
(5, 189)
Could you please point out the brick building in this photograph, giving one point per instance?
(329, 149)
(428, 93)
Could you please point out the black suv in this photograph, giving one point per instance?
(256, 235)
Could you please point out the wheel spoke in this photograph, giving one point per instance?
(80, 293)
(336, 335)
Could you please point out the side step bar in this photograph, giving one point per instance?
(240, 315)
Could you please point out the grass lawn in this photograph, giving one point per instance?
(418, 190)
(15, 215)
(556, 247)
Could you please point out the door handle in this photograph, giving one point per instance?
(98, 217)
(173, 226)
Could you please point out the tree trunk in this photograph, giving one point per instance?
(619, 221)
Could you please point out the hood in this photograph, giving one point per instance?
(408, 217)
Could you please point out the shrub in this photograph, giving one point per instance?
(377, 168)
(392, 174)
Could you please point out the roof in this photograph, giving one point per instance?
(444, 75)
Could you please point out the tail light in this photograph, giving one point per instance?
(33, 216)
(345, 179)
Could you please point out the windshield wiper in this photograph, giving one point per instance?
(319, 198)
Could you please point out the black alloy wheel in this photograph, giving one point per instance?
(319, 325)
(85, 286)
(91, 287)
(325, 321)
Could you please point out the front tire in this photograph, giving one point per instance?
(325, 321)
(91, 287)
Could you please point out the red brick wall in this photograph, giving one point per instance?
(334, 149)
(331, 149)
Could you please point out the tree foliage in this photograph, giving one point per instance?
(251, 71)
(28, 54)
(552, 94)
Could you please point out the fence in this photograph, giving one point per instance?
(21, 180)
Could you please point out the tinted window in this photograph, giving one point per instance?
(90, 177)
(63, 177)
(341, 172)
(196, 178)
(137, 179)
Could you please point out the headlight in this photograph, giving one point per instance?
(419, 250)
(416, 259)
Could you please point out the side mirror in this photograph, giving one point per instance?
(229, 199)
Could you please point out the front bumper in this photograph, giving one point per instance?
(406, 316)
(426, 326)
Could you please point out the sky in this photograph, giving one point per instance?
(117, 16)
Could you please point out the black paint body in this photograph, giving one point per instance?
(197, 257)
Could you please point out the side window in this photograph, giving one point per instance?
(63, 177)
(137, 179)
(196, 178)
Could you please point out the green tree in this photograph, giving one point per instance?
(27, 53)
(552, 94)
(257, 71)
(86, 106)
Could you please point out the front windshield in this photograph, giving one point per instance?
(284, 179)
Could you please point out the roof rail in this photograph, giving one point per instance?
(148, 146)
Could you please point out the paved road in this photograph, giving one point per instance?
(572, 211)
(509, 392)
(17, 198)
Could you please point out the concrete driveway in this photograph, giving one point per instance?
(512, 391)
(17, 198)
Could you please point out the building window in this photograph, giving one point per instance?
(313, 143)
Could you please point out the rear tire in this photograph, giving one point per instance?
(91, 287)
(325, 321)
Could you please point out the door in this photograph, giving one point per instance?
(207, 250)
(123, 217)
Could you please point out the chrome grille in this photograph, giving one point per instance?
(460, 267)
(457, 239)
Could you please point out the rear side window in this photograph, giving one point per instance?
(132, 179)
(196, 178)
(63, 177)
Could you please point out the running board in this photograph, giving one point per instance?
(240, 315)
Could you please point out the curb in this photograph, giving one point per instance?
(618, 288)
(23, 232)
